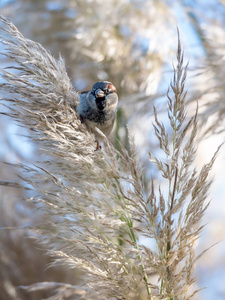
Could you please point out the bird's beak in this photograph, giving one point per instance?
(99, 93)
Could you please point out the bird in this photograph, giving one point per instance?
(97, 108)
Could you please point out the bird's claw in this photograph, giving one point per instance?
(98, 146)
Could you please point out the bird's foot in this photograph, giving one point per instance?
(98, 146)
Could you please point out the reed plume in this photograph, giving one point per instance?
(129, 244)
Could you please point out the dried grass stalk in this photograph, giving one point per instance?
(96, 199)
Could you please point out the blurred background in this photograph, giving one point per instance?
(132, 44)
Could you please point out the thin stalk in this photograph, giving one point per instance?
(133, 238)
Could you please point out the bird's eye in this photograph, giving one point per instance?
(111, 88)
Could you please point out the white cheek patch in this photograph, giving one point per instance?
(111, 105)
(92, 101)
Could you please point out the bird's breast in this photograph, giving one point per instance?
(106, 127)
(101, 103)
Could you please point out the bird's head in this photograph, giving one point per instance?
(104, 95)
